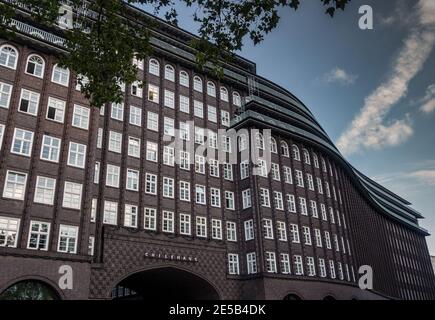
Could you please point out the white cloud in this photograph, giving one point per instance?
(428, 101)
(339, 75)
(425, 176)
(368, 129)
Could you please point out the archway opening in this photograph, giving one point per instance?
(164, 284)
(292, 297)
(329, 298)
(30, 290)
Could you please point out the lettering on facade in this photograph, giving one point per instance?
(169, 256)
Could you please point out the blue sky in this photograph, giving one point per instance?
(373, 91)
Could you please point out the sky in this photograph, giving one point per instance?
(373, 91)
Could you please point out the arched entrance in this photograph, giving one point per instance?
(30, 290)
(167, 283)
(292, 297)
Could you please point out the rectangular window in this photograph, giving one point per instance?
(228, 171)
(201, 227)
(199, 164)
(77, 155)
(50, 149)
(168, 221)
(150, 183)
(168, 187)
(216, 229)
(251, 261)
(212, 139)
(153, 93)
(168, 126)
(2, 132)
(270, 262)
(152, 121)
(262, 166)
(275, 172)
(135, 116)
(313, 205)
(168, 156)
(264, 197)
(279, 204)
(299, 266)
(115, 141)
(5, 95)
(244, 169)
(184, 104)
(169, 99)
(323, 210)
(184, 160)
(267, 229)
(288, 175)
(331, 215)
(332, 269)
(185, 191)
(200, 194)
(130, 216)
(67, 239)
(311, 267)
(29, 102)
(225, 118)
(9, 231)
(94, 209)
(185, 224)
(184, 131)
(198, 107)
(303, 206)
(307, 235)
(134, 147)
(291, 203)
(97, 172)
(294, 229)
(136, 89)
(44, 191)
(322, 267)
(229, 200)
(285, 263)
(328, 240)
(152, 151)
(231, 231)
(110, 213)
(249, 230)
(150, 219)
(199, 135)
(319, 185)
(38, 235)
(22, 142)
(246, 198)
(214, 168)
(282, 231)
(233, 263)
(100, 138)
(81, 117)
(299, 179)
(117, 111)
(15, 185)
(215, 197)
(72, 195)
(310, 182)
(318, 235)
(132, 180)
(336, 243)
(55, 110)
(112, 176)
(91, 244)
(211, 114)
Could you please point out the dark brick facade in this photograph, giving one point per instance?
(366, 236)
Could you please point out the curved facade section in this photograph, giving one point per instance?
(103, 192)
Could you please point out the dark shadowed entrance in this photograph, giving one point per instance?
(164, 284)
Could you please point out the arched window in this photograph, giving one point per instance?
(323, 165)
(259, 141)
(211, 89)
(316, 160)
(307, 158)
(243, 142)
(273, 146)
(169, 73)
(224, 94)
(184, 79)
(197, 84)
(284, 149)
(237, 100)
(154, 67)
(35, 66)
(60, 75)
(8, 56)
(296, 153)
(30, 290)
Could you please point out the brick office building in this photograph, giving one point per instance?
(97, 194)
